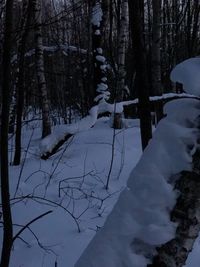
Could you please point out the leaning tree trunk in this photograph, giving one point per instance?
(5, 197)
(156, 60)
(39, 61)
(136, 22)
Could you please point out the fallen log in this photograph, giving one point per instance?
(48, 154)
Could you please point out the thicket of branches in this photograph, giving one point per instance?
(67, 37)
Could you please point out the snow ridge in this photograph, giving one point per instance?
(140, 220)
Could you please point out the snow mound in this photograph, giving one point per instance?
(140, 220)
(187, 73)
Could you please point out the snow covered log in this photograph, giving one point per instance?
(56, 147)
(65, 49)
(50, 144)
(186, 214)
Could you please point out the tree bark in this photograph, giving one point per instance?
(39, 61)
(25, 22)
(122, 50)
(136, 11)
(156, 60)
(5, 196)
(99, 61)
(105, 21)
(121, 72)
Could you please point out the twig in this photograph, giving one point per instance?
(23, 163)
(29, 223)
(58, 162)
(49, 202)
(112, 159)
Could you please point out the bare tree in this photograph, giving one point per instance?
(121, 70)
(136, 11)
(99, 61)
(25, 23)
(122, 43)
(156, 58)
(5, 196)
(39, 61)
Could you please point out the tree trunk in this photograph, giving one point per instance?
(122, 50)
(105, 21)
(156, 61)
(121, 72)
(136, 12)
(25, 22)
(39, 57)
(5, 196)
(99, 61)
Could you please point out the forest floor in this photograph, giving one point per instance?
(71, 184)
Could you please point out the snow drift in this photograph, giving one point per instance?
(140, 220)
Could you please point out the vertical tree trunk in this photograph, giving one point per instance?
(121, 72)
(5, 196)
(136, 12)
(13, 105)
(25, 21)
(39, 56)
(156, 61)
(105, 21)
(99, 61)
(195, 28)
(122, 50)
(189, 26)
(12, 117)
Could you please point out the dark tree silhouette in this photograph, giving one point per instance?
(5, 196)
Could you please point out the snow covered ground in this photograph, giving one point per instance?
(67, 192)
(140, 220)
(72, 185)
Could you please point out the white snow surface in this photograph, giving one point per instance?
(81, 168)
(188, 73)
(100, 58)
(97, 32)
(140, 220)
(97, 15)
(100, 50)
